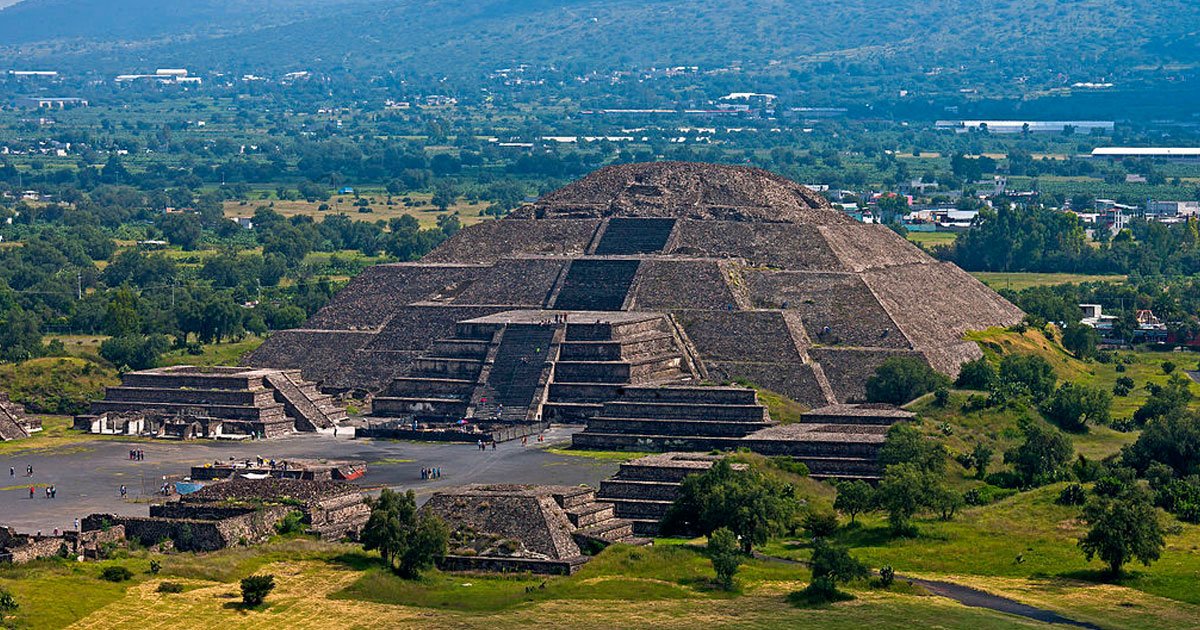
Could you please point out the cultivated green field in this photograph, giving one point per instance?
(1017, 281)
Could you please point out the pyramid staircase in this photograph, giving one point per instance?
(628, 236)
(595, 522)
(516, 379)
(312, 410)
(596, 285)
(597, 359)
(441, 384)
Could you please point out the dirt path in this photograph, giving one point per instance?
(973, 597)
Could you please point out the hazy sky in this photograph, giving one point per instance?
(5, 3)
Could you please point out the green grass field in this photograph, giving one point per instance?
(1021, 280)
(930, 239)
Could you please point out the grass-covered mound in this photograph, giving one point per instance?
(56, 385)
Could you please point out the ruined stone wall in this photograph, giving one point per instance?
(512, 565)
(520, 282)
(201, 535)
(370, 300)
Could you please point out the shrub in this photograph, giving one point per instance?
(155, 567)
(820, 524)
(256, 588)
(116, 574)
(941, 397)
(8, 604)
(977, 374)
(1168, 367)
(725, 553)
(832, 566)
(1072, 494)
(887, 575)
(293, 523)
(170, 587)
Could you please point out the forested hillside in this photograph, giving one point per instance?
(1020, 45)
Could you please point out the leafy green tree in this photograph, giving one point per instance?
(1164, 400)
(903, 492)
(750, 504)
(832, 565)
(134, 351)
(726, 556)
(1080, 340)
(1073, 407)
(854, 498)
(183, 230)
(905, 444)
(1026, 374)
(945, 500)
(1172, 440)
(899, 380)
(256, 588)
(20, 334)
(1122, 529)
(1042, 455)
(410, 541)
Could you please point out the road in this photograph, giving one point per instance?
(88, 476)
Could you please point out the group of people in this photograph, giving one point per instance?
(483, 445)
(136, 455)
(51, 492)
(12, 472)
(431, 473)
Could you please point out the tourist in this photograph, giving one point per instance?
(524, 440)
(124, 491)
(30, 492)
(12, 471)
(493, 445)
(53, 492)
(76, 524)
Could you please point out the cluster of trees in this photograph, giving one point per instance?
(410, 541)
(1036, 238)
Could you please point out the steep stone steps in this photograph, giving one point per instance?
(596, 285)
(627, 236)
(311, 410)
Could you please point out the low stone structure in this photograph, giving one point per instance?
(245, 511)
(21, 548)
(541, 529)
(15, 424)
(306, 469)
(186, 402)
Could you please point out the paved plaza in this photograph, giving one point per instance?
(88, 476)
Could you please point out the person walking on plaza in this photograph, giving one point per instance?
(30, 492)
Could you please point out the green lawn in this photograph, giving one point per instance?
(214, 354)
(1021, 280)
(930, 239)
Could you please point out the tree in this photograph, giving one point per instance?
(726, 556)
(1073, 407)
(854, 498)
(1164, 400)
(255, 589)
(905, 444)
(183, 230)
(134, 351)
(832, 566)
(1026, 374)
(1042, 455)
(1080, 340)
(745, 501)
(1122, 529)
(981, 457)
(409, 541)
(444, 196)
(1173, 440)
(945, 500)
(899, 380)
(904, 491)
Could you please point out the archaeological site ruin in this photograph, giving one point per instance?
(15, 424)
(619, 299)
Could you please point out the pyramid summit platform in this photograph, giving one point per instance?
(666, 273)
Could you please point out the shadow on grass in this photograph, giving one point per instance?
(244, 608)
(1101, 576)
(806, 599)
(357, 561)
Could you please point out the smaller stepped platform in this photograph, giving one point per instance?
(835, 442)
(15, 424)
(690, 418)
(185, 402)
(540, 529)
(643, 490)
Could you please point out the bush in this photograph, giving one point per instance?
(725, 553)
(155, 567)
(170, 587)
(1072, 494)
(134, 351)
(1168, 367)
(293, 523)
(8, 604)
(820, 524)
(832, 566)
(941, 397)
(256, 588)
(887, 576)
(116, 574)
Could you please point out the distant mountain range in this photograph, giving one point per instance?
(1042, 42)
